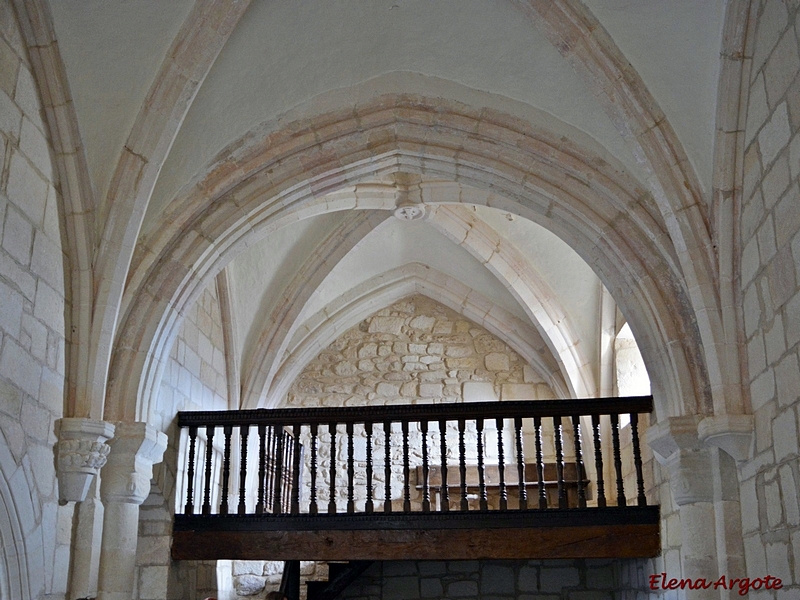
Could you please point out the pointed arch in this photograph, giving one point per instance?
(346, 311)
(285, 175)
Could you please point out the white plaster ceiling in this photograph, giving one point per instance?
(112, 51)
(674, 45)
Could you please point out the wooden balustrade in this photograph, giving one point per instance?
(414, 479)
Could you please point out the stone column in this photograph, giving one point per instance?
(81, 452)
(124, 486)
(676, 445)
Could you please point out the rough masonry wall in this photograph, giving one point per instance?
(770, 273)
(413, 351)
(34, 530)
(416, 350)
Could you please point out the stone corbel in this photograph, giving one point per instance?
(676, 445)
(81, 452)
(135, 448)
(731, 433)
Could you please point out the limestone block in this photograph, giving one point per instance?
(422, 322)
(443, 328)
(775, 134)
(18, 236)
(776, 181)
(463, 589)
(9, 63)
(26, 188)
(391, 325)
(458, 351)
(368, 350)
(497, 361)
(10, 116)
(782, 67)
(19, 367)
(528, 579)
(784, 435)
(34, 144)
(388, 389)
(250, 567)
(518, 391)
(478, 391)
(430, 390)
(248, 585)
(11, 315)
(27, 96)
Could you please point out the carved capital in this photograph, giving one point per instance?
(677, 446)
(135, 448)
(731, 433)
(81, 452)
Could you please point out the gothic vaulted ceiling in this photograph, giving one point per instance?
(269, 63)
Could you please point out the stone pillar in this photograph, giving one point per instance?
(676, 445)
(731, 438)
(124, 486)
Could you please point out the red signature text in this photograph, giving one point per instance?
(744, 585)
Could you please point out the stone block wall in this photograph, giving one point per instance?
(770, 285)
(496, 580)
(35, 554)
(194, 378)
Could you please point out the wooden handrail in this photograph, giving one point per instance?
(397, 413)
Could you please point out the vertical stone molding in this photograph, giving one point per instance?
(125, 483)
(81, 453)
(676, 445)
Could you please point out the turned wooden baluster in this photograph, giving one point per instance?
(312, 507)
(501, 466)
(462, 464)
(244, 432)
(523, 492)
(296, 463)
(637, 460)
(288, 464)
(226, 469)
(598, 462)
(426, 491)
(332, 471)
(387, 467)
(537, 427)
(444, 491)
(562, 491)
(351, 471)
(406, 470)
(209, 452)
(277, 502)
(262, 468)
(576, 429)
(484, 498)
(189, 508)
(369, 506)
(271, 461)
(617, 459)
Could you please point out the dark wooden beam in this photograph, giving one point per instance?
(601, 541)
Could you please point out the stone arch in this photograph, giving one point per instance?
(505, 262)
(592, 205)
(321, 329)
(21, 559)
